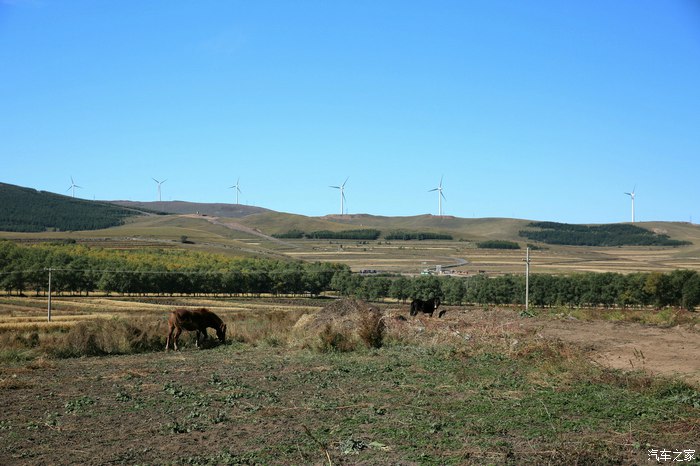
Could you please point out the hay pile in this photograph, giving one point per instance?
(343, 314)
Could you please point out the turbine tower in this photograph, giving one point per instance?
(159, 183)
(73, 186)
(440, 196)
(237, 186)
(342, 195)
(631, 195)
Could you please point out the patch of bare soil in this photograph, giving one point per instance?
(668, 351)
(671, 351)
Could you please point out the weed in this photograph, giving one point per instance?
(331, 340)
(78, 405)
(371, 328)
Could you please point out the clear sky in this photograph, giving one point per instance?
(543, 109)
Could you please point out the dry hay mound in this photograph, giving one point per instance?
(343, 314)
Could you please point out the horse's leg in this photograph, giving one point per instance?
(178, 331)
(170, 335)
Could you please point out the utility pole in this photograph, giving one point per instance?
(527, 279)
(49, 311)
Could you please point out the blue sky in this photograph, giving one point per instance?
(543, 110)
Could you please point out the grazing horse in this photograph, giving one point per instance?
(426, 307)
(196, 319)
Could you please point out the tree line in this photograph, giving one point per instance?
(80, 269)
(365, 234)
(680, 288)
(597, 235)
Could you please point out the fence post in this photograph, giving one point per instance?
(49, 310)
(527, 279)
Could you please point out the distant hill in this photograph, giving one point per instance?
(182, 207)
(458, 228)
(29, 210)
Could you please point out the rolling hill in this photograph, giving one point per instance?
(29, 210)
(248, 231)
(183, 207)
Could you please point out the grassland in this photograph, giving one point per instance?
(479, 386)
(250, 236)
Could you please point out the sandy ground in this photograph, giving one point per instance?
(671, 351)
(667, 351)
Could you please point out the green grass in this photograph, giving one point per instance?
(523, 400)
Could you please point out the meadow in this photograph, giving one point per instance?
(295, 383)
(251, 236)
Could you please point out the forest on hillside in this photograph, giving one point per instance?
(29, 210)
(597, 235)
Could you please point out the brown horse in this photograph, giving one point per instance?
(196, 319)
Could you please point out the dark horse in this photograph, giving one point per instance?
(196, 319)
(426, 307)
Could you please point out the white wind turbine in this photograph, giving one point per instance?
(440, 196)
(73, 186)
(631, 195)
(159, 183)
(237, 186)
(342, 195)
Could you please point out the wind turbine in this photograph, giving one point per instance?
(631, 195)
(342, 195)
(73, 186)
(159, 183)
(440, 196)
(238, 188)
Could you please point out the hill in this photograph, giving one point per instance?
(275, 223)
(182, 207)
(29, 210)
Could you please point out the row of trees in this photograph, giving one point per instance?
(366, 234)
(79, 269)
(680, 288)
(416, 235)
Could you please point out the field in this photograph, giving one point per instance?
(250, 237)
(478, 386)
